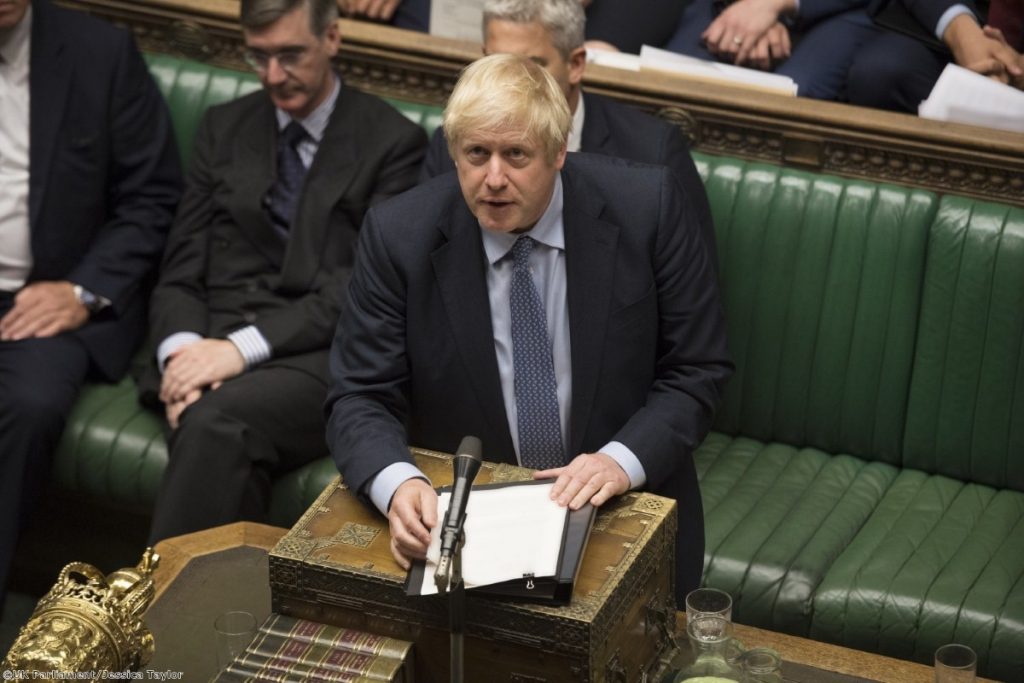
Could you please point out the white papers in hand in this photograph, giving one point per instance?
(964, 96)
(511, 532)
(664, 60)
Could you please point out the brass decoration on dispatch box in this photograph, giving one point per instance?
(89, 622)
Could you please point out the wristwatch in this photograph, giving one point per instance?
(92, 303)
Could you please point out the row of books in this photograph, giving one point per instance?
(287, 649)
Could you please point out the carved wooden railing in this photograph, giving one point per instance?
(819, 136)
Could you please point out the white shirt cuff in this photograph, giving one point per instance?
(253, 346)
(621, 454)
(948, 16)
(387, 481)
(171, 344)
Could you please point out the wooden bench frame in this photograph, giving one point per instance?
(796, 132)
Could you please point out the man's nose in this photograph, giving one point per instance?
(497, 177)
(275, 73)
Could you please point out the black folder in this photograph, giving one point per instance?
(556, 589)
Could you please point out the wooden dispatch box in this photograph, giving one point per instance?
(335, 566)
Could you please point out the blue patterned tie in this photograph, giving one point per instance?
(540, 430)
(283, 197)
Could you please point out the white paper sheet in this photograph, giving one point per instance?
(664, 60)
(461, 19)
(510, 532)
(964, 96)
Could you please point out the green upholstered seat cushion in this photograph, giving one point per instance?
(965, 417)
(776, 517)
(821, 283)
(939, 561)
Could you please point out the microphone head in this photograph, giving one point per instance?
(470, 446)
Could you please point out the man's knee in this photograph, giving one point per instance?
(35, 408)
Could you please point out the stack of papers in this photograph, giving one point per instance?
(657, 59)
(964, 96)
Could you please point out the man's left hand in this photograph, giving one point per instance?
(43, 309)
(593, 477)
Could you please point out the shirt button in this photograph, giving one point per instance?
(249, 317)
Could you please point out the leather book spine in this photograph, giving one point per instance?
(282, 652)
(270, 670)
(335, 637)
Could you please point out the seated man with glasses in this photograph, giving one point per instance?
(257, 261)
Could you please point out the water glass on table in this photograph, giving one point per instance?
(955, 663)
(710, 602)
(235, 630)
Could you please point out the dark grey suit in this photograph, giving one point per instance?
(226, 268)
(413, 360)
(616, 130)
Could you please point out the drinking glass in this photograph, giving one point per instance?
(235, 630)
(708, 602)
(955, 663)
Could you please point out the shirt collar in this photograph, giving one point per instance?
(549, 230)
(16, 42)
(576, 132)
(316, 123)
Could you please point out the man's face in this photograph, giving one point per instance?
(533, 41)
(11, 12)
(293, 64)
(506, 178)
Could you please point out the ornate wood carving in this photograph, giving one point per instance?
(819, 136)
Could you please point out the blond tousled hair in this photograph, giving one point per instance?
(503, 91)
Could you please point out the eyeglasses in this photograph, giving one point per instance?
(288, 58)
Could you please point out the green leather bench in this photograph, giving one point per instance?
(864, 482)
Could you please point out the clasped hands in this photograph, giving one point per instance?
(984, 50)
(749, 33)
(200, 365)
(590, 477)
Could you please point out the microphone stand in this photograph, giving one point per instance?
(448, 576)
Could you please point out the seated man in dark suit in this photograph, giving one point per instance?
(257, 262)
(561, 308)
(550, 32)
(89, 179)
(915, 39)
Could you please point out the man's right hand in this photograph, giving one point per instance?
(975, 50)
(413, 513)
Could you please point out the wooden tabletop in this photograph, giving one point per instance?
(177, 553)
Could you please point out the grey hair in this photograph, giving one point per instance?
(256, 14)
(563, 19)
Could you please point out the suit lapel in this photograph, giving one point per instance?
(462, 281)
(589, 272)
(326, 182)
(250, 176)
(50, 71)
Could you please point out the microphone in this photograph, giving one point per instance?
(465, 466)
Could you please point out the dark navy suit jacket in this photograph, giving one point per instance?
(104, 173)
(617, 130)
(413, 359)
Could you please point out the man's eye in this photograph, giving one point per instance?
(476, 153)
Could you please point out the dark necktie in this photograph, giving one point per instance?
(540, 430)
(1008, 17)
(283, 197)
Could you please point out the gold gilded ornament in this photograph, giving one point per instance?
(89, 622)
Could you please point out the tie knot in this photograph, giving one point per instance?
(521, 250)
(293, 134)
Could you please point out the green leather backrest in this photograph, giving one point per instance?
(966, 413)
(821, 281)
(190, 87)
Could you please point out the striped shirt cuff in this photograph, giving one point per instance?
(253, 346)
(172, 343)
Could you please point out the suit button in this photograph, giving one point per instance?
(249, 317)
(251, 287)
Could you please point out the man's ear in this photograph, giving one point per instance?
(332, 36)
(577, 63)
